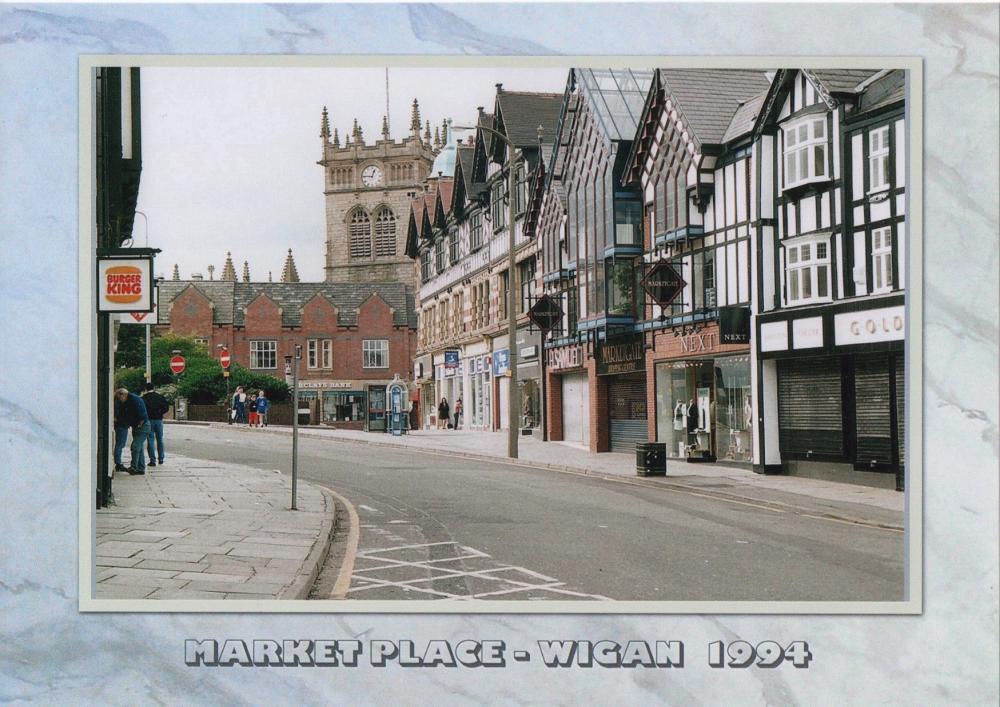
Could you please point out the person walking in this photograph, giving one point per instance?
(135, 416)
(262, 405)
(240, 405)
(444, 414)
(121, 434)
(458, 412)
(156, 407)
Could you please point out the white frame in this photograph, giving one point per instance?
(804, 147)
(811, 264)
(878, 158)
(327, 354)
(312, 353)
(256, 351)
(371, 354)
(881, 260)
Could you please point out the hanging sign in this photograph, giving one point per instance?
(501, 362)
(734, 325)
(545, 313)
(450, 362)
(124, 284)
(143, 317)
(663, 283)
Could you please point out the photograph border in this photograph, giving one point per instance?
(913, 534)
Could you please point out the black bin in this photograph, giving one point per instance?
(651, 459)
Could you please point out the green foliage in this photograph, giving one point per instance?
(130, 351)
(202, 382)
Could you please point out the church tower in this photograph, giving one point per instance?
(368, 189)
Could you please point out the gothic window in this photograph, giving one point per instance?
(385, 233)
(361, 234)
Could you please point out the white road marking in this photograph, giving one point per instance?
(504, 575)
(369, 509)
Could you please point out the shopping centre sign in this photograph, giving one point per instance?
(622, 355)
(663, 283)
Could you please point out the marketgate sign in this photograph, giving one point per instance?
(663, 283)
(545, 313)
(625, 354)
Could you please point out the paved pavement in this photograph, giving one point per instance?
(884, 506)
(194, 529)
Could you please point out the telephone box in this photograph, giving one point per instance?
(397, 407)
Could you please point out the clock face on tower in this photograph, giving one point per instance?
(371, 176)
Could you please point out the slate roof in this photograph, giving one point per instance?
(885, 91)
(445, 188)
(745, 117)
(472, 188)
(842, 80)
(709, 99)
(231, 298)
(523, 112)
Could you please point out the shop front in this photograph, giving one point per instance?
(704, 408)
(341, 403)
(622, 362)
(529, 380)
(839, 378)
(423, 375)
(568, 395)
(477, 388)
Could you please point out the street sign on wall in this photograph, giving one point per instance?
(501, 362)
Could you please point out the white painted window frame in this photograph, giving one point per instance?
(375, 353)
(878, 159)
(794, 144)
(798, 269)
(327, 353)
(882, 239)
(259, 350)
(312, 353)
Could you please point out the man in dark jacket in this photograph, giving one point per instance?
(134, 415)
(156, 406)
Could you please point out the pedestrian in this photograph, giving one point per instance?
(134, 415)
(156, 407)
(239, 405)
(252, 410)
(121, 434)
(262, 405)
(458, 412)
(444, 414)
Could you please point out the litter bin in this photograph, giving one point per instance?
(651, 459)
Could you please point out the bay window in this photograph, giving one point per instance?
(807, 271)
(882, 259)
(805, 151)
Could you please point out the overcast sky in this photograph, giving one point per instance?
(229, 155)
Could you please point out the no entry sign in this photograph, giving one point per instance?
(224, 358)
(177, 365)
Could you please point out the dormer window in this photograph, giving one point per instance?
(805, 151)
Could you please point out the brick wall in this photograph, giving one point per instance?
(600, 438)
(553, 406)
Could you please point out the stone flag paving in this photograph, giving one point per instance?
(194, 529)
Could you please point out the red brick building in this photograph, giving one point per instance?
(354, 338)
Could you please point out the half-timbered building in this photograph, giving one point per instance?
(830, 327)
(692, 158)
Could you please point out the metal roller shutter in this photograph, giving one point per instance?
(872, 415)
(810, 417)
(627, 412)
(901, 409)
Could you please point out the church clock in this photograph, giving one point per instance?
(371, 176)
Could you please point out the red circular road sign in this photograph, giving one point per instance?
(177, 364)
(224, 358)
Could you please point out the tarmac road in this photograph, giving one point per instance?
(438, 527)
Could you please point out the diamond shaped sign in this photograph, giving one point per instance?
(545, 313)
(663, 283)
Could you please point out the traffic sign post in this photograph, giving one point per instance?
(177, 363)
(224, 358)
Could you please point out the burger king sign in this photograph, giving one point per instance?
(124, 284)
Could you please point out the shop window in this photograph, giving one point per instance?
(807, 271)
(882, 259)
(628, 222)
(344, 406)
(621, 287)
(805, 151)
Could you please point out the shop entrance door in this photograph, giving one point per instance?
(376, 408)
(627, 411)
(576, 409)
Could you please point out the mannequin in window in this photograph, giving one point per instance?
(680, 413)
(692, 416)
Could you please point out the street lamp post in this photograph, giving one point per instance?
(292, 362)
(514, 396)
